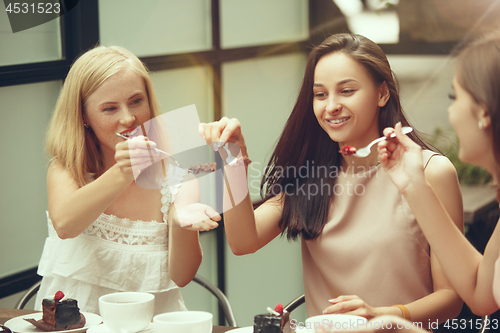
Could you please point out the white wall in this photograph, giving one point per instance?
(25, 112)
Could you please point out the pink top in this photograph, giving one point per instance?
(372, 246)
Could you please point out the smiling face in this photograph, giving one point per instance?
(464, 115)
(346, 100)
(118, 106)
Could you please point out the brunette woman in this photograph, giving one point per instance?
(475, 117)
(363, 252)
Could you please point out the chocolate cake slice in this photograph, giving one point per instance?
(272, 323)
(61, 313)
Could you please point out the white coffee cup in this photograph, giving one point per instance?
(333, 322)
(127, 312)
(183, 322)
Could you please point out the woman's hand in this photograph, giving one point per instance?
(135, 155)
(222, 131)
(196, 216)
(351, 305)
(401, 159)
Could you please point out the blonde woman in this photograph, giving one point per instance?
(106, 233)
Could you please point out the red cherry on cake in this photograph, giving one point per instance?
(279, 308)
(59, 296)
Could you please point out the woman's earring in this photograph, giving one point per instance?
(85, 125)
(480, 125)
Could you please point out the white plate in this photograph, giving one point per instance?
(248, 329)
(103, 329)
(335, 321)
(19, 325)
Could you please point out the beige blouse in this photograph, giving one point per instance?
(371, 246)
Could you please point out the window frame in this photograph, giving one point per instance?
(79, 30)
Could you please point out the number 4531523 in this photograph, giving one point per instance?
(470, 324)
(40, 8)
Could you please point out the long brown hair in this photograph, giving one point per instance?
(479, 74)
(303, 142)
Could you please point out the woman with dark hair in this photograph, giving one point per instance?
(359, 236)
(475, 117)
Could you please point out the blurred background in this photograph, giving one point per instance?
(233, 58)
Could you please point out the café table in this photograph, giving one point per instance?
(6, 314)
(477, 201)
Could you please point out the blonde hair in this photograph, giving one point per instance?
(67, 141)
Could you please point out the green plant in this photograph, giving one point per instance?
(468, 174)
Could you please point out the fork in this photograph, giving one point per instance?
(365, 151)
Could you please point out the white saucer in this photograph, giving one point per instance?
(103, 329)
(19, 325)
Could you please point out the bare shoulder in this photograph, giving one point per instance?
(55, 166)
(274, 203)
(60, 184)
(439, 168)
(271, 210)
(58, 174)
(441, 175)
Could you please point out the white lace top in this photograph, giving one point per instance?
(112, 254)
